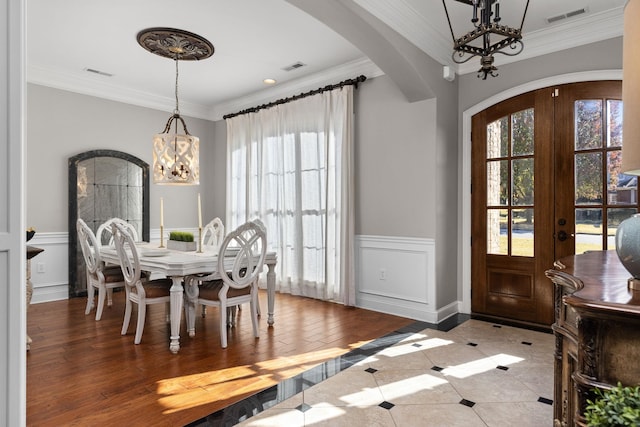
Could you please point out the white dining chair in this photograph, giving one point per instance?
(212, 235)
(99, 277)
(104, 234)
(105, 238)
(245, 249)
(138, 290)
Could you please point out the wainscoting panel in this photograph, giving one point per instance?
(396, 275)
(49, 269)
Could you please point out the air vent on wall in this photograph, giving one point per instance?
(102, 73)
(562, 16)
(294, 66)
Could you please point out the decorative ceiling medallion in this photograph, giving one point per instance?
(175, 44)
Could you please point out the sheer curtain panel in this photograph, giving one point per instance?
(291, 166)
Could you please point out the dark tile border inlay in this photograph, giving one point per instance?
(545, 400)
(468, 403)
(273, 395)
(502, 368)
(371, 370)
(386, 405)
(472, 344)
(303, 407)
(437, 368)
(527, 343)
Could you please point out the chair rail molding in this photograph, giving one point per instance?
(396, 275)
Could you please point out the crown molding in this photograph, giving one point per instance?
(404, 19)
(363, 66)
(79, 83)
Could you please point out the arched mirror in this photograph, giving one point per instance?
(104, 184)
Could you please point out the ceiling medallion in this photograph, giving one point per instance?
(175, 44)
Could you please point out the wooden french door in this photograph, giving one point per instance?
(546, 183)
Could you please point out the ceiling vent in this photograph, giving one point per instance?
(102, 73)
(294, 66)
(562, 16)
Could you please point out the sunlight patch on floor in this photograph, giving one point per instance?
(479, 366)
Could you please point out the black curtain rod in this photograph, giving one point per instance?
(349, 82)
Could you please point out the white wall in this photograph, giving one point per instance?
(61, 124)
(604, 55)
(395, 162)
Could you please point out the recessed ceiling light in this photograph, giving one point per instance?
(269, 81)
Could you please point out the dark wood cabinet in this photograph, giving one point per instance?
(597, 330)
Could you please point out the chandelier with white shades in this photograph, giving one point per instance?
(176, 155)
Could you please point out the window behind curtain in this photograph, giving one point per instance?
(286, 168)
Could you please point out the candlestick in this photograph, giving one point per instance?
(161, 237)
(161, 212)
(199, 212)
(199, 239)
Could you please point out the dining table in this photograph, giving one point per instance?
(177, 265)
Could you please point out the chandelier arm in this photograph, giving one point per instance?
(184, 125)
(524, 15)
(167, 127)
(453, 57)
(520, 42)
(448, 20)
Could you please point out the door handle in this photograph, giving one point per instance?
(562, 235)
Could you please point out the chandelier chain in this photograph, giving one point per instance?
(177, 110)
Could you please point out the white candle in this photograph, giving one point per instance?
(199, 212)
(161, 212)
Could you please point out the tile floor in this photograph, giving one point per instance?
(460, 372)
(477, 374)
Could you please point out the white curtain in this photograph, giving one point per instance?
(292, 167)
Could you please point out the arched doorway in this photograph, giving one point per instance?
(546, 184)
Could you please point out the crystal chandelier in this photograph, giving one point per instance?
(176, 155)
(477, 42)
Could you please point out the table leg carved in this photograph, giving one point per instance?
(176, 312)
(271, 292)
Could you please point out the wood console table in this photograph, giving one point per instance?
(597, 330)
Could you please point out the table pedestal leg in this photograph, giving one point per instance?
(176, 313)
(271, 292)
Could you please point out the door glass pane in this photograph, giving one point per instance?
(522, 132)
(522, 182)
(498, 138)
(621, 189)
(614, 120)
(588, 230)
(497, 182)
(497, 243)
(522, 232)
(614, 217)
(588, 124)
(588, 171)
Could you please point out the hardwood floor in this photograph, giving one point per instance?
(82, 372)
